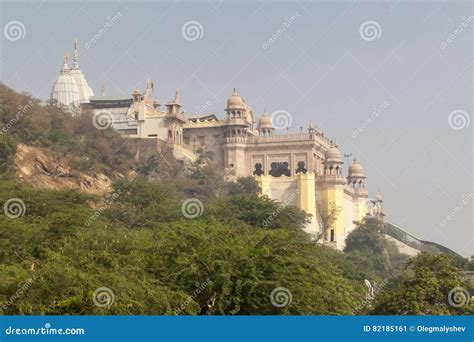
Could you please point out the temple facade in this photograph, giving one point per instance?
(305, 170)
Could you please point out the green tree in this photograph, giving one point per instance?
(423, 289)
(367, 247)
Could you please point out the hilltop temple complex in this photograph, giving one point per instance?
(304, 170)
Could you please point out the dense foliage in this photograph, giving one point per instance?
(367, 248)
(137, 242)
(153, 258)
(429, 285)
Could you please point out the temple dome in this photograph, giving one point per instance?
(65, 91)
(85, 92)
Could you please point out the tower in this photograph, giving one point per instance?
(356, 180)
(174, 107)
(332, 183)
(175, 121)
(237, 122)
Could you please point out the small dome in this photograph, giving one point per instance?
(333, 155)
(356, 169)
(235, 101)
(265, 122)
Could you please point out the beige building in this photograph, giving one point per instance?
(304, 170)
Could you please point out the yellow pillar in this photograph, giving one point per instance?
(333, 199)
(264, 184)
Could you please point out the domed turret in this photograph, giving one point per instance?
(333, 155)
(65, 92)
(235, 102)
(265, 124)
(356, 177)
(356, 169)
(333, 161)
(238, 112)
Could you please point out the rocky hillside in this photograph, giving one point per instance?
(37, 168)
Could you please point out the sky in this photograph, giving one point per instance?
(391, 81)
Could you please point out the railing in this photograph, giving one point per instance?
(278, 138)
(412, 241)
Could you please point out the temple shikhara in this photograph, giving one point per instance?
(304, 170)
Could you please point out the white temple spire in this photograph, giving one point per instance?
(75, 60)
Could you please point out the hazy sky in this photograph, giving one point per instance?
(334, 63)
